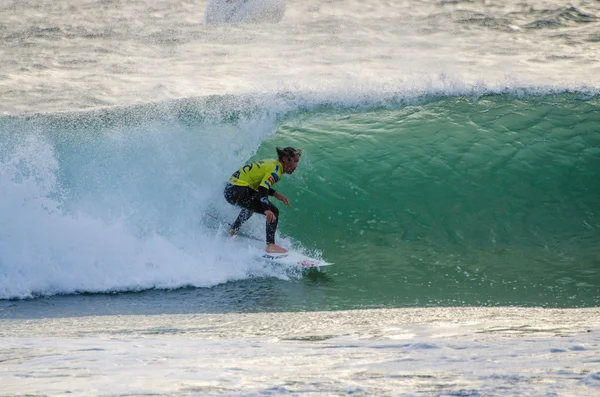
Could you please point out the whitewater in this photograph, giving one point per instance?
(451, 154)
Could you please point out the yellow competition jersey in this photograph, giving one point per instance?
(264, 173)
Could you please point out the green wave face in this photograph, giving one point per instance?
(495, 200)
(440, 200)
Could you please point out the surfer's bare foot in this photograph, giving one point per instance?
(275, 249)
(232, 233)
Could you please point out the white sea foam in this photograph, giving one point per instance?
(152, 51)
(99, 224)
(467, 352)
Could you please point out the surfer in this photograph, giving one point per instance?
(250, 188)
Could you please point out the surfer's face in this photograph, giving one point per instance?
(290, 164)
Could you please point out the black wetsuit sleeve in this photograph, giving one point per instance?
(263, 193)
(272, 192)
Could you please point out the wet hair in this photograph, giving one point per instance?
(288, 152)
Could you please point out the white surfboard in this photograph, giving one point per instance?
(294, 259)
(290, 258)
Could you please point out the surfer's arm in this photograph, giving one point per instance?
(263, 193)
(282, 198)
(265, 189)
(267, 183)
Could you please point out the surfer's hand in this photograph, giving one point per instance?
(270, 216)
(281, 197)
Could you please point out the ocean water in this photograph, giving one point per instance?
(450, 170)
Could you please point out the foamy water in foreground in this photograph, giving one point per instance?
(434, 351)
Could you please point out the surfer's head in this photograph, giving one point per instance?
(289, 157)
